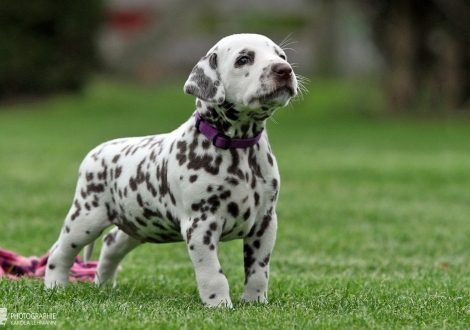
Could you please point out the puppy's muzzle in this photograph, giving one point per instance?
(283, 71)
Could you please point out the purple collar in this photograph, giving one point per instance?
(221, 140)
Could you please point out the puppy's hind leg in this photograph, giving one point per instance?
(116, 244)
(80, 228)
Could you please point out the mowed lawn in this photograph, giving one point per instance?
(374, 215)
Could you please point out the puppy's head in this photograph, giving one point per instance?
(247, 70)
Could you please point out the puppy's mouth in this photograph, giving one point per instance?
(279, 96)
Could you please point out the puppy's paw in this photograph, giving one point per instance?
(225, 303)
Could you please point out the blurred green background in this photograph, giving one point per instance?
(416, 50)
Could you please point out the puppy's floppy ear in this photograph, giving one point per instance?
(204, 81)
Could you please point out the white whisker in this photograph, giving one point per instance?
(286, 40)
(284, 49)
(274, 121)
(284, 46)
(301, 89)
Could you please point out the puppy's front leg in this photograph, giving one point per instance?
(257, 249)
(202, 239)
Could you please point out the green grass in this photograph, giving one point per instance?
(374, 215)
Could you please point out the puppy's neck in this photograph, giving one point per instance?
(234, 122)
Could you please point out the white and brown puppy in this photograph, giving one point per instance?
(213, 179)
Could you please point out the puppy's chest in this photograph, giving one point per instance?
(245, 189)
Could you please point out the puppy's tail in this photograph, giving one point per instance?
(88, 251)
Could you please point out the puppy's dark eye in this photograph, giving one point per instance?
(283, 57)
(243, 60)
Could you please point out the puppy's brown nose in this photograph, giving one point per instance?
(283, 70)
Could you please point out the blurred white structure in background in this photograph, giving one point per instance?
(148, 40)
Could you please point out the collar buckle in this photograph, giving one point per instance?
(221, 140)
(222, 145)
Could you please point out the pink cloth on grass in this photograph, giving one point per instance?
(15, 266)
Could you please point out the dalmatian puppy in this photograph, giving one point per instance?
(213, 179)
